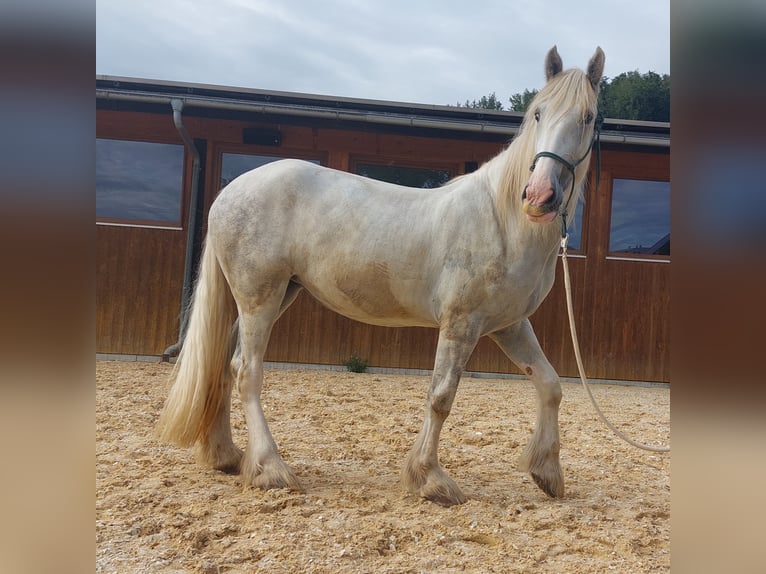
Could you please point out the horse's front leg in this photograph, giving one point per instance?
(422, 473)
(541, 457)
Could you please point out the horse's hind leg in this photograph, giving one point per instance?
(217, 449)
(262, 466)
(422, 473)
(541, 457)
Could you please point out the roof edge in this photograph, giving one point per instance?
(345, 108)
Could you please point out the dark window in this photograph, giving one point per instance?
(409, 176)
(575, 228)
(640, 217)
(139, 181)
(235, 164)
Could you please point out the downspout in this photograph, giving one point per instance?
(191, 229)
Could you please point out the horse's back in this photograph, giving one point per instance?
(299, 199)
(284, 179)
(311, 181)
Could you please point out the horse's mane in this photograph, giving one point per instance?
(567, 90)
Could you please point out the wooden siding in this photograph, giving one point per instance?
(139, 277)
(622, 307)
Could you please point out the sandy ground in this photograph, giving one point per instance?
(346, 436)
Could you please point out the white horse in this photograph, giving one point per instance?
(475, 257)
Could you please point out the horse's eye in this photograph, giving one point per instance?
(588, 118)
(537, 115)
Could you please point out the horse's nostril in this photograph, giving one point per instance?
(524, 193)
(551, 198)
(554, 201)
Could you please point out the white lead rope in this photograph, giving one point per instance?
(583, 378)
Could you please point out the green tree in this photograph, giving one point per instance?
(489, 102)
(636, 96)
(629, 96)
(520, 102)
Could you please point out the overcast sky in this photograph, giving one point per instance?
(433, 52)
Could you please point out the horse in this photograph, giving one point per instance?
(472, 258)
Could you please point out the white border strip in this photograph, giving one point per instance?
(641, 259)
(139, 225)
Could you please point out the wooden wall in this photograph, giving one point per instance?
(622, 307)
(139, 277)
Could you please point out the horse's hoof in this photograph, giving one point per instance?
(226, 459)
(447, 499)
(270, 482)
(229, 468)
(270, 476)
(552, 487)
(441, 489)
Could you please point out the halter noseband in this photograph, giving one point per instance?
(596, 140)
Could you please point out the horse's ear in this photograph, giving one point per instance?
(596, 68)
(553, 64)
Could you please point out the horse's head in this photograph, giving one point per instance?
(563, 118)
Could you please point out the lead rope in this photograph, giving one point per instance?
(580, 368)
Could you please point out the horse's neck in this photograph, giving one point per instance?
(496, 169)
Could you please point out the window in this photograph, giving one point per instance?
(575, 228)
(139, 181)
(235, 164)
(640, 217)
(409, 176)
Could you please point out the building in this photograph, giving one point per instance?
(165, 149)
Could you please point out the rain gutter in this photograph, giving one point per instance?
(362, 116)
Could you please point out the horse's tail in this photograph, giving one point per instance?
(198, 390)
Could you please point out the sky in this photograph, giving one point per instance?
(430, 52)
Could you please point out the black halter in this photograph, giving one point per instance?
(596, 140)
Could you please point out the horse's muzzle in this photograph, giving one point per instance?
(541, 212)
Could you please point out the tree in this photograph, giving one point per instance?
(489, 102)
(520, 102)
(636, 96)
(629, 96)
